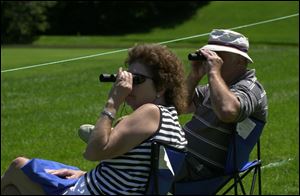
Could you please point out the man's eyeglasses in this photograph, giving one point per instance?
(136, 78)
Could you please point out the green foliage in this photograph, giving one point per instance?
(21, 21)
(117, 17)
(222, 14)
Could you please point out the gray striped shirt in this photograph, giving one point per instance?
(207, 136)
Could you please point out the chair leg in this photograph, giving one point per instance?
(259, 180)
(259, 167)
(236, 180)
(173, 188)
(227, 190)
(230, 188)
(240, 178)
(253, 181)
(235, 184)
(242, 187)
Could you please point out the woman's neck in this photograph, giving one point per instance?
(159, 101)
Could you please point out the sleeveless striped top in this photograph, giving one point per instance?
(129, 173)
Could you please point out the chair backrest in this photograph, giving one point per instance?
(242, 143)
(166, 162)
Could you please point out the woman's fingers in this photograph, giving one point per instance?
(58, 172)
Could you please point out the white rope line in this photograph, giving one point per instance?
(164, 42)
(63, 61)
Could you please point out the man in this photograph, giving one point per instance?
(232, 94)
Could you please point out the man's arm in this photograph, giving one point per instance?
(196, 74)
(225, 104)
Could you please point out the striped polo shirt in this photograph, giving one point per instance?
(128, 174)
(208, 137)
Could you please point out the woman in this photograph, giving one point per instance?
(153, 87)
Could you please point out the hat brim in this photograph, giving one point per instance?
(227, 49)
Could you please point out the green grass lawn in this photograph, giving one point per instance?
(42, 107)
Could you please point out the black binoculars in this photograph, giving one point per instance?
(136, 78)
(107, 77)
(196, 57)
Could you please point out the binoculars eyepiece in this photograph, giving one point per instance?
(107, 77)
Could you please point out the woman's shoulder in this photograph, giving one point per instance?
(147, 112)
(150, 107)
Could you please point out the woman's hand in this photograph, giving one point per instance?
(66, 173)
(121, 88)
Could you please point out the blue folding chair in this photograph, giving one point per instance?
(237, 167)
(166, 162)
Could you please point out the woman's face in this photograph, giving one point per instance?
(143, 91)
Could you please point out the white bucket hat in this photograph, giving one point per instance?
(228, 41)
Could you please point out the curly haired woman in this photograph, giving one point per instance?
(153, 86)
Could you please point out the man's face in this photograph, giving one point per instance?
(228, 58)
(233, 65)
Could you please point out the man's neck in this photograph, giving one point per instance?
(233, 76)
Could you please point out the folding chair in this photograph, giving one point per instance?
(237, 167)
(166, 163)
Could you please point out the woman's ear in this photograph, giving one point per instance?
(160, 93)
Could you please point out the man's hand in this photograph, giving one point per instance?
(214, 62)
(198, 69)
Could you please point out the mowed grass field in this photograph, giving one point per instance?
(42, 107)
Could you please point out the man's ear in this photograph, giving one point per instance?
(242, 61)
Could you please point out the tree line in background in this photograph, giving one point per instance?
(23, 21)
